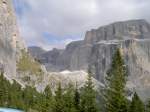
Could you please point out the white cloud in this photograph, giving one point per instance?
(74, 17)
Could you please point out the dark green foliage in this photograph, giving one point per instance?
(58, 105)
(48, 92)
(115, 83)
(148, 106)
(47, 99)
(76, 98)
(4, 91)
(88, 97)
(69, 102)
(136, 104)
(13, 96)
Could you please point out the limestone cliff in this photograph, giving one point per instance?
(10, 42)
(133, 37)
(14, 59)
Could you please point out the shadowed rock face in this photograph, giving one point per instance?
(96, 51)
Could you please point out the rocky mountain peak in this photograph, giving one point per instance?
(130, 29)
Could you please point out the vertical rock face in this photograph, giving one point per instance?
(136, 55)
(133, 37)
(10, 42)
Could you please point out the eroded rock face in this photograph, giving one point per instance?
(136, 55)
(9, 41)
(133, 37)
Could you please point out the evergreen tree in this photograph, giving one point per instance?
(77, 98)
(69, 99)
(136, 104)
(48, 92)
(88, 97)
(16, 95)
(28, 97)
(115, 84)
(58, 104)
(148, 106)
(47, 98)
(43, 107)
(3, 91)
(13, 96)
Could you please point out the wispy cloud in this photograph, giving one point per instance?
(66, 20)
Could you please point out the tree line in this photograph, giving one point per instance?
(74, 99)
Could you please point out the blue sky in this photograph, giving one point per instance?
(55, 23)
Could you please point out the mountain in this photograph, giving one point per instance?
(96, 50)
